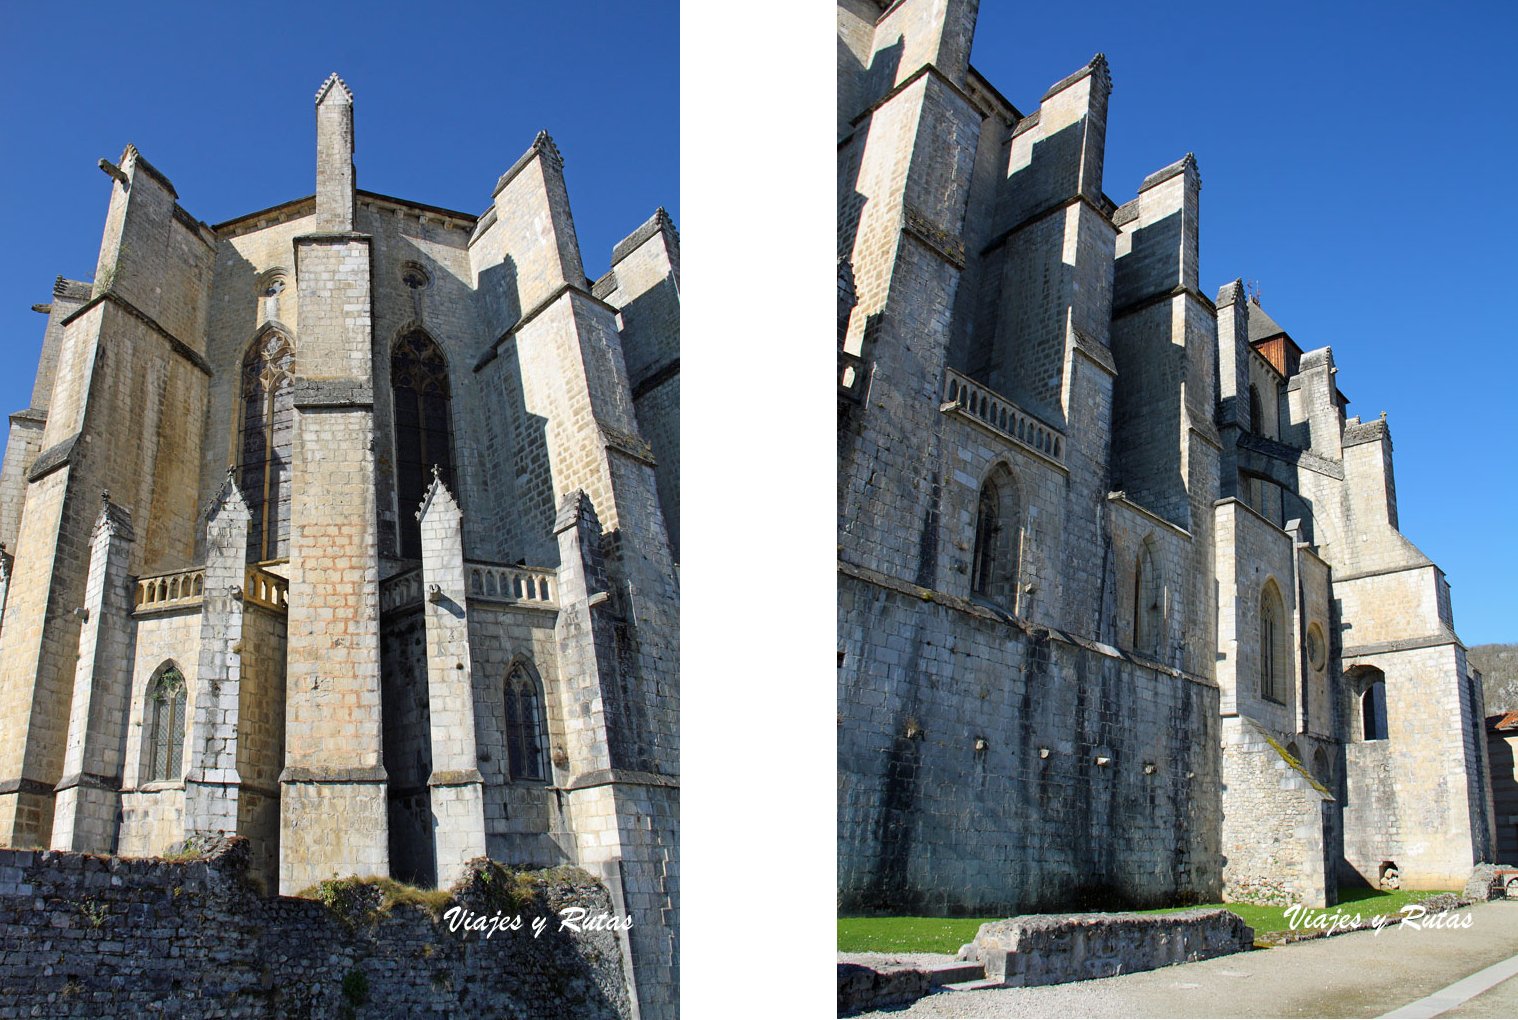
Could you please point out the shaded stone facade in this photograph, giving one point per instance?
(429, 613)
(1120, 581)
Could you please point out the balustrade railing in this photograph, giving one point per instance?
(170, 591)
(267, 589)
(996, 411)
(487, 582)
(402, 590)
(533, 585)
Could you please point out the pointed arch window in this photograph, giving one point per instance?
(166, 721)
(524, 725)
(1147, 597)
(1273, 653)
(423, 429)
(268, 429)
(998, 538)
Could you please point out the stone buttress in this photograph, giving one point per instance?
(455, 788)
(87, 803)
(333, 818)
(128, 370)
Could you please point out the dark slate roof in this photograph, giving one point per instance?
(1261, 326)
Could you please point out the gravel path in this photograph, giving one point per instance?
(1361, 974)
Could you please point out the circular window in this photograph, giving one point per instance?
(414, 276)
(1317, 649)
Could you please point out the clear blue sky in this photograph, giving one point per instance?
(1356, 161)
(219, 97)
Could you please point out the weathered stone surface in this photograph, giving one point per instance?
(863, 988)
(1047, 949)
(1118, 578)
(193, 938)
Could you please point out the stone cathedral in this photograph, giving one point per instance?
(1125, 615)
(350, 526)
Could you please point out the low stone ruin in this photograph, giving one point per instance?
(1047, 949)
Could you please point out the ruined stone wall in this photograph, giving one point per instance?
(108, 923)
(988, 767)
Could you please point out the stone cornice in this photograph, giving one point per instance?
(181, 348)
(1290, 455)
(333, 774)
(1121, 498)
(656, 378)
(1049, 210)
(53, 458)
(946, 245)
(1400, 645)
(926, 70)
(1400, 568)
(628, 444)
(622, 777)
(1179, 290)
(538, 309)
(88, 779)
(24, 785)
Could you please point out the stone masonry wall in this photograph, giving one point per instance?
(1083, 776)
(1431, 769)
(523, 820)
(1277, 829)
(90, 936)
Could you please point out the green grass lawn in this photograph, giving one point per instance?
(947, 934)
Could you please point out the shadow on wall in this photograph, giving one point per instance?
(867, 87)
(1504, 797)
(1017, 341)
(1151, 371)
(516, 461)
